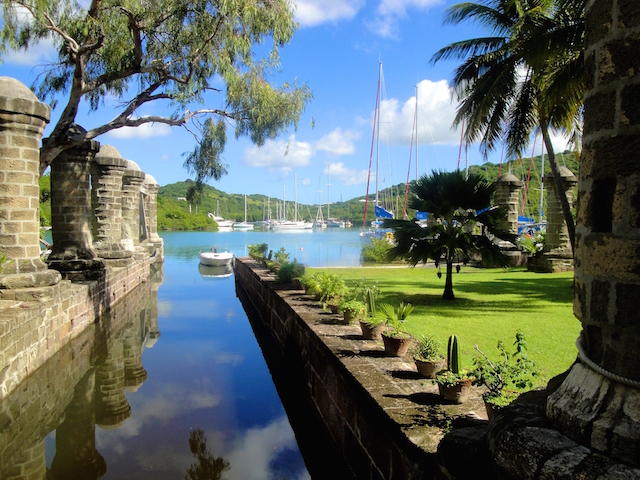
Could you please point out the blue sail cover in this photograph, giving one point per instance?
(382, 213)
(421, 215)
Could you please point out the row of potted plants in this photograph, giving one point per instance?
(504, 378)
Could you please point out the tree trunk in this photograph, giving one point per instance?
(557, 180)
(448, 283)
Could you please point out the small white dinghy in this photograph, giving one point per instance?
(216, 257)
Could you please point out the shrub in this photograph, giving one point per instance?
(377, 251)
(258, 251)
(290, 270)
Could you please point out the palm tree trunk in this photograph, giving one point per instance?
(448, 283)
(557, 180)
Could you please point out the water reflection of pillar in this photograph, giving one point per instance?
(76, 454)
(154, 331)
(134, 372)
(112, 408)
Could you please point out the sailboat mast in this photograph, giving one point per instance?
(295, 196)
(378, 139)
(284, 203)
(416, 132)
(328, 195)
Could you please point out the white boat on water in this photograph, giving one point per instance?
(216, 258)
(294, 224)
(222, 223)
(243, 225)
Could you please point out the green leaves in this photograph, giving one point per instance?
(180, 51)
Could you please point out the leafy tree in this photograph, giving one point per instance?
(206, 466)
(456, 205)
(170, 52)
(528, 74)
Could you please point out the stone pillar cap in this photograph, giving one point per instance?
(149, 180)
(133, 170)
(566, 175)
(109, 155)
(509, 178)
(15, 97)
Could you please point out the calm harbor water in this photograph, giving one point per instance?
(205, 371)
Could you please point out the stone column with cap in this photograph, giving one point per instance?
(598, 404)
(507, 195)
(107, 172)
(132, 181)
(22, 121)
(112, 407)
(558, 255)
(72, 252)
(155, 242)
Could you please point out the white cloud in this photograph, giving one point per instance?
(306, 181)
(279, 155)
(435, 116)
(315, 12)
(37, 54)
(254, 452)
(390, 12)
(338, 142)
(146, 130)
(346, 175)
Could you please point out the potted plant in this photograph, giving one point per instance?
(371, 325)
(290, 272)
(395, 338)
(309, 282)
(505, 378)
(426, 354)
(331, 287)
(454, 384)
(352, 309)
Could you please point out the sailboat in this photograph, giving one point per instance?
(294, 224)
(222, 223)
(380, 213)
(331, 222)
(243, 225)
(319, 223)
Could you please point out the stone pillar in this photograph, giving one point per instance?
(557, 248)
(32, 463)
(508, 195)
(112, 407)
(22, 121)
(76, 454)
(106, 200)
(599, 409)
(156, 243)
(132, 181)
(72, 252)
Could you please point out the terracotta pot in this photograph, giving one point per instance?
(333, 307)
(429, 368)
(372, 333)
(350, 317)
(396, 346)
(457, 393)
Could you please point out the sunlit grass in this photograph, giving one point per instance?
(490, 305)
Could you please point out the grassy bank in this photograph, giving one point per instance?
(490, 305)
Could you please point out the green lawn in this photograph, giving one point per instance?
(490, 305)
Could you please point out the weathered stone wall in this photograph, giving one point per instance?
(384, 420)
(62, 385)
(37, 322)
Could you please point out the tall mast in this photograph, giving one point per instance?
(416, 132)
(328, 194)
(284, 203)
(295, 196)
(378, 139)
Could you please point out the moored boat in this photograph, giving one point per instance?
(216, 258)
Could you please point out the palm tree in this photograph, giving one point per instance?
(526, 75)
(456, 204)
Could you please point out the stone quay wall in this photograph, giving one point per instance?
(384, 420)
(37, 407)
(35, 323)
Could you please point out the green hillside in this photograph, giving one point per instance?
(173, 214)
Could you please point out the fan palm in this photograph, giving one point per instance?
(456, 204)
(526, 75)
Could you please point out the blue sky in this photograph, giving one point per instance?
(336, 52)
